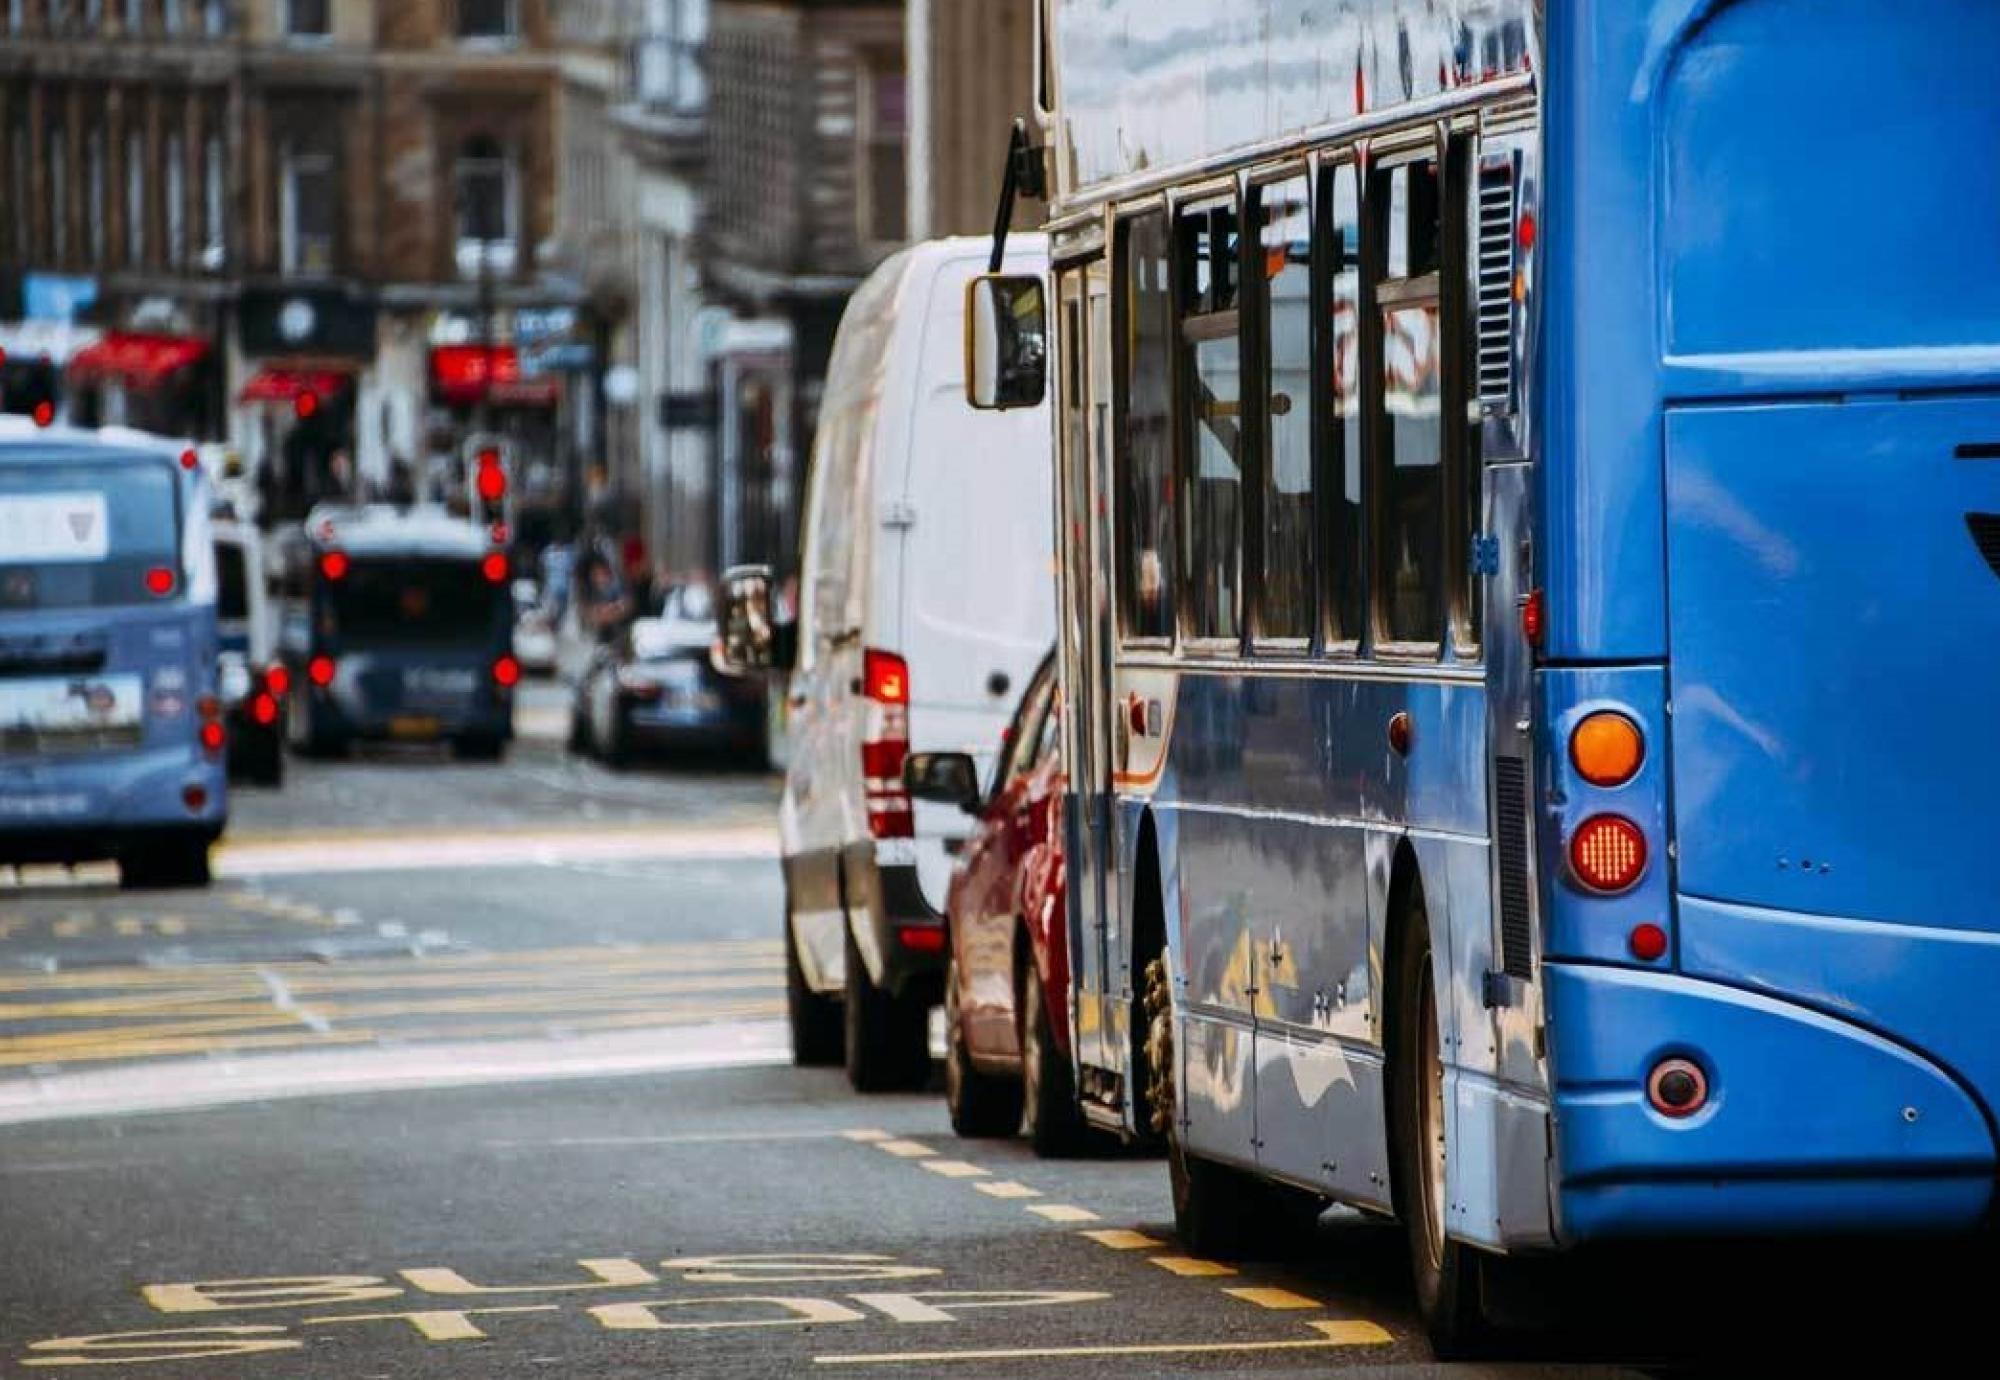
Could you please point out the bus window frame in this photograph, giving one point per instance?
(1379, 157)
(1121, 218)
(1332, 641)
(1253, 306)
(1464, 429)
(1190, 330)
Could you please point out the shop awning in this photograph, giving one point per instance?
(289, 385)
(460, 376)
(137, 361)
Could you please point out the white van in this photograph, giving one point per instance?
(926, 601)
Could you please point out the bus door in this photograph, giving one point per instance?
(1100, 1020)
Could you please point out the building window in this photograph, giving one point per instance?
(17, 19)
(135, 16)
(175, 179)
(215, 18)
(666, 59)
(170, 16)
(308, 197)
(135, 199)
(95, 194)
(487, 213)
(308, 18)
(885, 119)
(58, 193)
(215, 176)
(486, 20)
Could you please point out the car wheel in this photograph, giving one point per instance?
(1052, 1119)
(578, 742)
(479, 748)
(1445, 1272)
(816, 1029)
(888, 1037)
(267, 764)
(981, 1105)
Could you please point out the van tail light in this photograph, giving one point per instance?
(333, 565)
(494, 568)
(214, 737)
(1608, 854)
(264, 708)
(320, 671)
(885, 744)
(506, 673)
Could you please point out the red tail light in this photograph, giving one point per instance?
(506, 673)
(160, 581)
(1608, 853)
(45, 414)
(320, 671)
(921, 939)
(278, 680)
(334, 565)
(264, 709)
(213, 737)
(306, 405)
(494, 567)
(885, 745)
(189, 460)
(1534, 614)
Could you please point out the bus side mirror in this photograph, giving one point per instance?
(753, 639)
(1006, 343)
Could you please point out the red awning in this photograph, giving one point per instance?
(289, 385)
(138, 361)
(460, 374)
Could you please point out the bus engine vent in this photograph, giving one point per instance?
(1510, 800)
(1497, 202)
(1986, 533)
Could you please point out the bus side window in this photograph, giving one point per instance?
(1340, 235)
(1286, 610)
(1144, 424)
(1212, 420)
(1407, 397)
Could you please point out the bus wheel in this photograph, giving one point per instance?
(816, 1032)
(1215, 1206)
(980, 1105)
(166, 864)
(1446, 1273)
(888, 1037)
(479, 748)
(1052, 1119)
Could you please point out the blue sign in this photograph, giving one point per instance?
(54, 297)
(557, 357)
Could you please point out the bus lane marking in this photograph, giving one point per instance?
(905, 1149)
(1332, 1335)
(1007, 1188)
(867, 1135)
(1278, 1300)
(1190, 1267)
(955, 1169)
(439, 1325)
(1121, 1239)
(1063, 1212)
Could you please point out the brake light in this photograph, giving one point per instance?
(264, 709)
(1533, 615)
(1608, 854)
(506, 673)
(320, 671)
(189, 460)
(45, 414)
(494, 567)
(334, 565)
(160, 581)
(885, 744)
(921, 939)
(306, 405)
(278, 680)
(1607, 749)
(213, 736)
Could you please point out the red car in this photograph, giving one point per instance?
(1006, 1003)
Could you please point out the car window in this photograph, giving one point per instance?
(1024, 736)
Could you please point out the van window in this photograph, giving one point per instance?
(232, 599)
(414, 603)
(87, 535)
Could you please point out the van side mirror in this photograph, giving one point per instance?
(1006, 343)
(944, 778)
(749, 642)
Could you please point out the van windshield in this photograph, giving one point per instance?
(88, 535)
(413, 602)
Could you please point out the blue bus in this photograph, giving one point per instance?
(112, 743)
(1529, 482)
(398, 625)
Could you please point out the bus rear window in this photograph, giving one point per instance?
(414, 603)
(232, 597)
(78, 536)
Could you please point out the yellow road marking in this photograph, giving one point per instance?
(955, 1169)
(1282, 1300)
(1063, 1212)
(1331, 1335)
(1007, 1188)
(1119, 1239)
(905, 1149)
(1189, 1267)
(867, 1135)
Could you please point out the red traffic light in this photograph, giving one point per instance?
(306, 404)
(492, 483)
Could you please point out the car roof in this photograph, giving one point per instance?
(382, 530)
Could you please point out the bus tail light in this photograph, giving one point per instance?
(320, 671)
(494, 568)
(1607, 749)
(506, 673)
(333, 565)
(885, 744)
(160, 581)
(214, 737)
(1608, 854)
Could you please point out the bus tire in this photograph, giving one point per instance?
(1051, 1117)
(166, 865)
(981, 1106)
(1445, 1272)
(482, 747)
(888, 1037)
(815, 1019)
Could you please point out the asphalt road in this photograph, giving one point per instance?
(478, 1072)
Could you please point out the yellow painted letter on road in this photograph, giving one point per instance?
(793, 1269)
(640, 1317)
(605, 1274)
(297, 1291)
(441, 1325)
(142, 1348)
(941, 1306)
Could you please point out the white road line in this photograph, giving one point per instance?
(281, 998)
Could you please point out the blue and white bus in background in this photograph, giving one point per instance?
(112, 743)
(1530, 501)
(398, 625)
